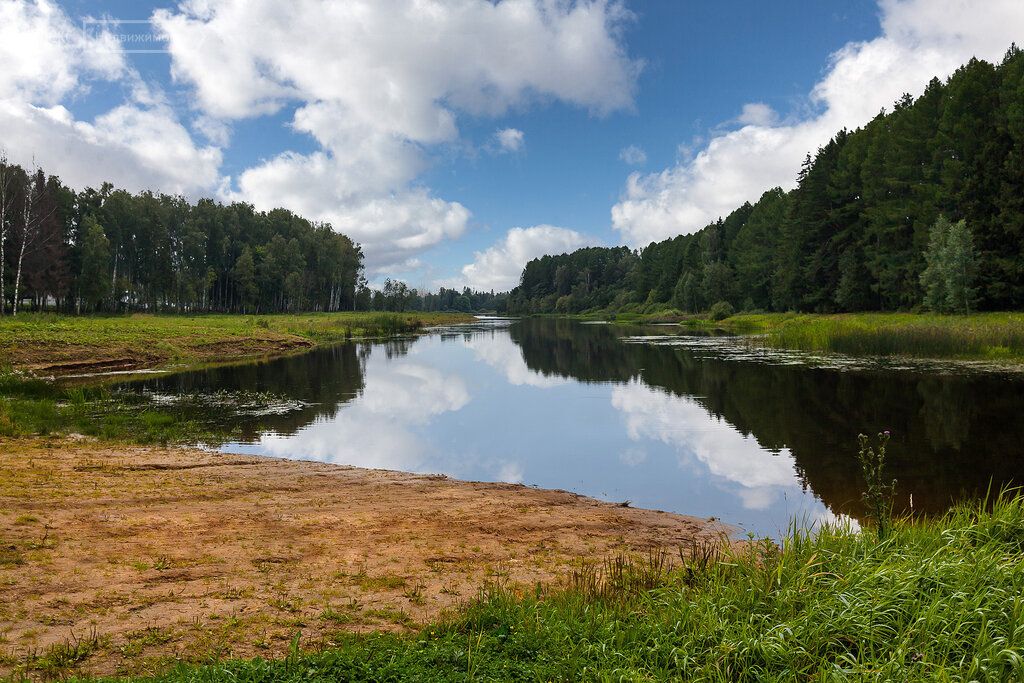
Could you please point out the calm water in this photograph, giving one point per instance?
(697, 425)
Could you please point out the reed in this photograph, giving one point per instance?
(983, 336)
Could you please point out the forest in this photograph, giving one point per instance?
(111, 251)
(923, 207)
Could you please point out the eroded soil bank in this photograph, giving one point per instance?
(120, 559)
(56, 345)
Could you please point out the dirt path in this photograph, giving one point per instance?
(118, 559)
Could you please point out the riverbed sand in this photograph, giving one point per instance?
(122, 559)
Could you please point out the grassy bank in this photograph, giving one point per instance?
(937, 600)
(61, 345)
(979, 336)
(64, 344)
(982, 336)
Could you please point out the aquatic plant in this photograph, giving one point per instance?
(878, 494)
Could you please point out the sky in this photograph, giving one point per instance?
(457, 139)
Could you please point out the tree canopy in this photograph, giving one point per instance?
(854, 234)
(109, 250)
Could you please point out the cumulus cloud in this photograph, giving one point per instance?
(47, 61)
(509, 139)
(378, 81)
(133, 147)
(500, 266)
(44, 55)
(633, 155)
(920, 39)
(757, 114)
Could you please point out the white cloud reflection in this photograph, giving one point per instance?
(756, 476)
(505, 356)
(376, 429)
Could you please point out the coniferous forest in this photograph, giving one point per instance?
(921, 208)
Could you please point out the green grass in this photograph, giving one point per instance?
(185, 339)
(32, 406)
(982, 336)
(938, 600)
(29, 410)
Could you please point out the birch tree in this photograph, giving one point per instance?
(8, 180)
(35, 211)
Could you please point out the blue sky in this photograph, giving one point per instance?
(702, 62)
(383, 117)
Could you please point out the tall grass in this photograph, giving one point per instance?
(998, 336)
(941, 599)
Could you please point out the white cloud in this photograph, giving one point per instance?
(757, 114)
(509, 139)
(351, 193)
(378, 81)
(920, 39)
(633, 155)
(44, 54)
(215, 130)
(135, 148)
(48, 61)
(500, 266)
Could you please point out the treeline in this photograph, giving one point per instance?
(396, 295)
(854, 234)
(109, 250)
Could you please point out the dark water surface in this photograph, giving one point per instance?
(699, 425)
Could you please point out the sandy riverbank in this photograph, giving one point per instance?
(142, 555)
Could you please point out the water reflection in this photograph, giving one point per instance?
(380, 428)
(696, 428)
(736, 462)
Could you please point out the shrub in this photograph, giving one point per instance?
(721, 310)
